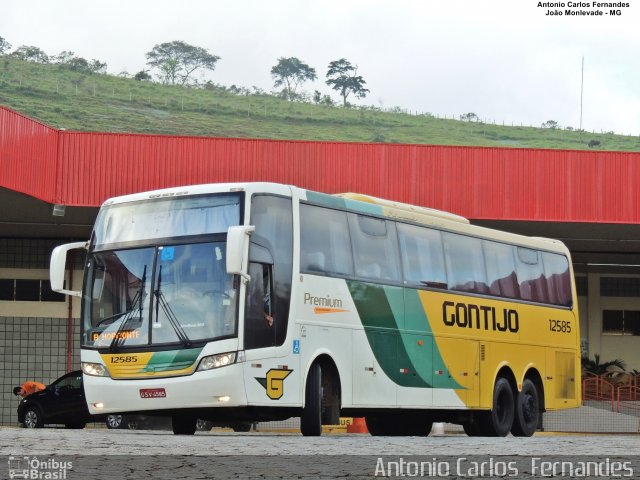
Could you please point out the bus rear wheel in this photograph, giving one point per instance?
(498, 421)
(311, 419)
(527, 412)
(472, 428)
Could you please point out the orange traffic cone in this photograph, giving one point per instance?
(357, 426)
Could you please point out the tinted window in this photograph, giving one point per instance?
(465, 263)
(6, 289)
(501, 269)
(375, 250)
(261, 321)
(621, 322)
(273, 219)
(556, 270)
(422, 255)
(533, 284)
(70, 382)
(324, 241)
(28, 290)
(48, 295)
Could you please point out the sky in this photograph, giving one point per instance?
(507, 61)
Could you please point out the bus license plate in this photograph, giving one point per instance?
(153, 393)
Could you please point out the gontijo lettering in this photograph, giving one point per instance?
(481, 317)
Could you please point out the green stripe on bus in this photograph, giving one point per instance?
(347, 204)
(408, 358)
(415, 320)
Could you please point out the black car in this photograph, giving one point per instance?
(62, 402)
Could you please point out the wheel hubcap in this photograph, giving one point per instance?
(31, 419)
(114, 420)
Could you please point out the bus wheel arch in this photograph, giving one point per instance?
(322, 396)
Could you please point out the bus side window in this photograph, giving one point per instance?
(422, 256)
(261, 321)
(533, 284)
(465, 263)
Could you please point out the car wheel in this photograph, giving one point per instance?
(203, 425)
(242, 427)
(33, 418)
(114, 421)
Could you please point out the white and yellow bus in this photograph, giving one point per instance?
(260, 301)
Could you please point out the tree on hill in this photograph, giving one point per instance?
(30, 54)
(291, 72)
(469, 117)
(177, 61)
(63, 57)
(552, 124)
(69, 60)
(343, 77)
(4, 46)
(142, 75)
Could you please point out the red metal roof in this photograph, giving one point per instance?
(83, 169)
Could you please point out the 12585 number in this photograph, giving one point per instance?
(560, 326)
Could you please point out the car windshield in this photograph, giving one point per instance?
(158, 295)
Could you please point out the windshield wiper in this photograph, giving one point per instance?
(166, 308)
(137, 298)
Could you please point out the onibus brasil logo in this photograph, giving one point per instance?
(34, 468)
(274, 382)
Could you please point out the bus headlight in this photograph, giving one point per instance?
(94, 369)
(217, 361)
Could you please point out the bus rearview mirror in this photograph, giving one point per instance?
(238, 249)
(57, 267)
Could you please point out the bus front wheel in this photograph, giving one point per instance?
(527, 412)
(311, 419)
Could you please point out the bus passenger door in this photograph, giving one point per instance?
(269, 373)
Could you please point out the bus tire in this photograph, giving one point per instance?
(527, 410)
(473, 428)
(311, 419)
(499, 420)
(183, 424)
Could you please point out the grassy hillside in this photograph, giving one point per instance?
(76, 101)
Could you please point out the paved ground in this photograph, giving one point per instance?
(130, 442)
(100, 453)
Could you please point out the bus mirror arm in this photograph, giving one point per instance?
(57, 267)
(238, 250)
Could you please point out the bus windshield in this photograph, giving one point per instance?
(165, 218)
(158, 295)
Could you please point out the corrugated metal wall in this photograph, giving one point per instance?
(477, 182)
(28, 155)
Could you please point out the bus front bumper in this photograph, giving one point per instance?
(221, 387)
